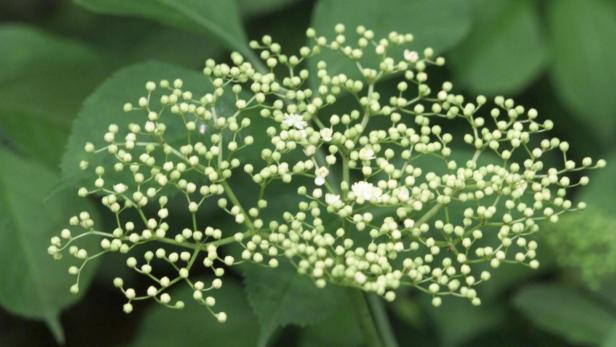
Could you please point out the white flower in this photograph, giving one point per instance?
(366, 153)
(294, 121)
(411, 56)
(150, 126)
(403, 194)
(326, 134)
(321, 173)
(366, 191)
(360, 277)
(202, 128)
(332, 199)
(120, 188)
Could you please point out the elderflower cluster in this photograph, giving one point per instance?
(410, 187)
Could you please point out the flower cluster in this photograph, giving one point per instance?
(383, 187)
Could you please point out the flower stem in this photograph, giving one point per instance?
(366, 322)
(382, 322)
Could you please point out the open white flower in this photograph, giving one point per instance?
(294, 121)
(403, 194)
(326, 134)
(366, 153)
(332, 199)
(202, 128)
(321, 173)
(119, 188)
(411, 56)
(366, 191)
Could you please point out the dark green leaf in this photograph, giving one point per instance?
(39, 97)
(140, 38)
(32, 284)
(457, 321)
(339, 329)
(407, 309)
(505, 49)
(566, 312)
(219, 18)
(583, 69)
(254, 8)
(600, 192)
(195, 326)
(439, 24)
(281, 296)
(171, 45)
(24, 130)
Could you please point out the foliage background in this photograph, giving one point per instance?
(555, 55)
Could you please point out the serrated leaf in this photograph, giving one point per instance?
(440, 24)
(565, 312)
(505, 49)
(582, 69)
(32, 284)
(42, 96)
(195, 326)
(281, 296)
(219, 18)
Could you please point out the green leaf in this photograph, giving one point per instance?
(261, 7)
(20, 126)
(439, 24)
(41, 96)
(599, 194)
(219, 18)
(339, 329)
(610, 341)
(586, 241)
(281, 296)
(140, 37)
(104, 107)
(505, 49)
(583, 69)
(565, 312)
(32, 284)
(195, 326)
(171, 45)
(457, 321)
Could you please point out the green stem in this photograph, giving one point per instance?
(431, 212)
(366, 322)
(379, 315)
(231, 195)
(345, 170)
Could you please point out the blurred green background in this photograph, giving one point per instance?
(555, 55)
